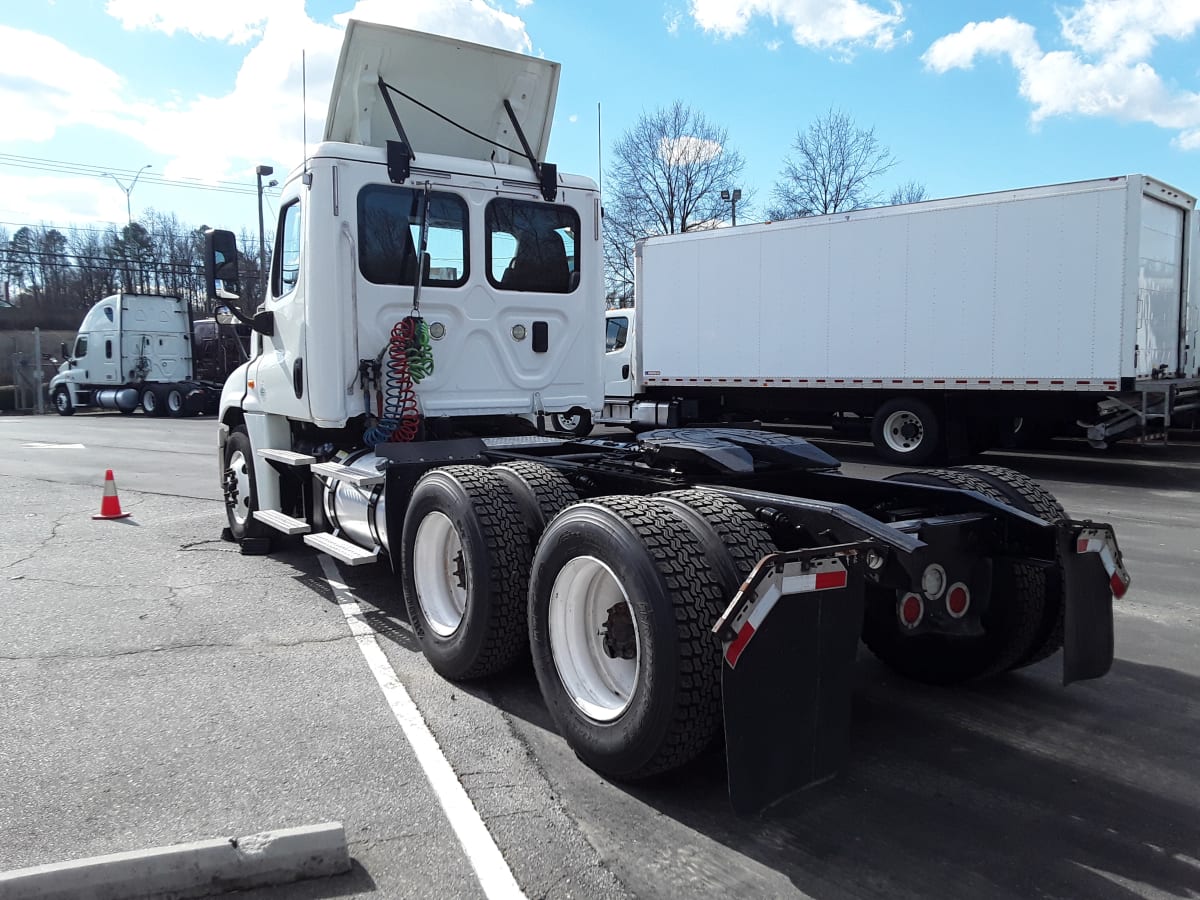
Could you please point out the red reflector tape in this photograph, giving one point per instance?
(780, 582)
(1119, 586)
(1101, 541)
(738, 644)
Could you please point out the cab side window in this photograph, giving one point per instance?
(618, 332)
(80, 347)
(286, 269)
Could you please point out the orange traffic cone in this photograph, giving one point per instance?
(110, 506)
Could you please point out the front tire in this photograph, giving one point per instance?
(621, 603)
(62, 402)
(906, 430)
(466, 554)
(241, 489)
(577, 422)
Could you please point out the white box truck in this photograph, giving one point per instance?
(144, 350)
(434, 283)
(939, 324)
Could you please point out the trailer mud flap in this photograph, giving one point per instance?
(790, 638)
(1093, 573)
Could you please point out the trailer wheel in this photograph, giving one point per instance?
(577, 422)
(541, 493)
(733, 539)
(466, 555)
(621, 602)
(906, 430)
(1011, 625)
(1023, 493)
(241, 489)
(152, 403)
(174, 401)
(62, 402)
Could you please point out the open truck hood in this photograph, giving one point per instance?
(465, 82)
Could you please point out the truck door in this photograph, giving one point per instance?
(279, 373)
(617, 355)
(1160, 288)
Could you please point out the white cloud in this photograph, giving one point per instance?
(45, 85)
(1106, 73)
(684, 151)
(773, 45)
(235, 21)
(572, 118)
(827, 24)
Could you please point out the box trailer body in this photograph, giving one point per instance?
(435, 302)
(1034, 303)
(144, 350)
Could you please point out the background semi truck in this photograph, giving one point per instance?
(435, 283)
(940, 325)
(144, 350)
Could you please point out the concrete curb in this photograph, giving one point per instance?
(188, 870)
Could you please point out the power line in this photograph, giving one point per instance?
(92, 171)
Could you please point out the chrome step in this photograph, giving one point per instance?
(282, 522)
(356, 477)
(287, 457)
(341, 550)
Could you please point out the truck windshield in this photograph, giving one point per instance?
(389, 223)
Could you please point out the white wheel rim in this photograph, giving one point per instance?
(903, 431)
(439, 574)
(582, 601)
(149, 401)
(568, 423)
(241, 475)
(175, 401)
(61, 399)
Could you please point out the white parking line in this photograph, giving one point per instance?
(495, 877)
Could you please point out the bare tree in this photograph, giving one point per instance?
(668, 173)
(831, 168)
(909, 192)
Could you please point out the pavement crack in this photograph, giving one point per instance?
(170, 648)
(42, 544)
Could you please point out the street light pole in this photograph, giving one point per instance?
(128, 190)
(732, 199)
(260, 171)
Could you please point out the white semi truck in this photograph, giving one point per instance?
(436, 286)
(144, 350)
(938, 325)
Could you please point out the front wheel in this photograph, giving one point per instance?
(906, 430)
(621, 603)
(62, 402)
(577, 422)
(240, 488)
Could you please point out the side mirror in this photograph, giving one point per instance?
(224, 316)
(220, 264)
(62, 349)
(263, 321)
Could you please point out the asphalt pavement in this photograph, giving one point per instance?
(157, 687)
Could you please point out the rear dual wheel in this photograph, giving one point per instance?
(622, 600)
(1022, 623)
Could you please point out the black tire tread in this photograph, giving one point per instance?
(546, 487)
(1027, 495)
(1028, 591)
(499, 518)
(696, 599)
(746, 538)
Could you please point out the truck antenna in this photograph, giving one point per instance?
(599, 154)
(304, 106)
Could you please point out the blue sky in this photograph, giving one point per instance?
(970, 96)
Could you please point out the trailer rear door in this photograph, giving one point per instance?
(1160, 287)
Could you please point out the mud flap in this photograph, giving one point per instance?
(1092, 574)
(790, 639)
